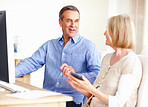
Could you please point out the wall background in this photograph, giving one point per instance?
(32, 22)
(36, 21)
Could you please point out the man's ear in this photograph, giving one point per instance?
(60, 22)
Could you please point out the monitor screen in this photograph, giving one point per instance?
(7, 72)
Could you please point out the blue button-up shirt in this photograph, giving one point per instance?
(79, 53)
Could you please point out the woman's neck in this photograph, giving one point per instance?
(121, 52)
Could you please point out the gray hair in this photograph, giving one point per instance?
(69, 7)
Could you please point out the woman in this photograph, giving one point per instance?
(120, 73)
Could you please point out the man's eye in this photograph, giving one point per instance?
(77, 21)
(68, 20)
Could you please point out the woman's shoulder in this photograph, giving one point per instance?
(107, 56)
(132, 58)
(132, 65)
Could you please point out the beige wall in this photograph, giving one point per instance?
(135, 9)
(36, 21)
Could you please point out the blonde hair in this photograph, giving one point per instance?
(122, 29)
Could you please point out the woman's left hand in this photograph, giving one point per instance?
(83, 86)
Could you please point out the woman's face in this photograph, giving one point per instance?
(108, 38)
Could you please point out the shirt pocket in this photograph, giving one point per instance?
(78, 61)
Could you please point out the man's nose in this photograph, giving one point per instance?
(72, 23)
(105, 32)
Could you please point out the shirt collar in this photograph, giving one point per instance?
(74, 39)
(61, 40)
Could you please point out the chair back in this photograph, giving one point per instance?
(143, 89)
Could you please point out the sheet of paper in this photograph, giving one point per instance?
(2, 89)
(33, 94)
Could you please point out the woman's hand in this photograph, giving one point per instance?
(83, 86)
(86, 88)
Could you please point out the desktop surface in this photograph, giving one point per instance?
(49, 101)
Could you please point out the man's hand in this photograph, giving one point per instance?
(66, 69)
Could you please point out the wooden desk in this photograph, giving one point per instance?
(50, 101)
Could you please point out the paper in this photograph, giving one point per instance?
(33, 94)
(2, 89)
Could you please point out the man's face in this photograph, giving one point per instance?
(70, 23)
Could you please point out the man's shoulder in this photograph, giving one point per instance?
(87, 44)
(87, 41)
(49, 42)
(52, 40)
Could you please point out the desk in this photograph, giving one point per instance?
(50, 101)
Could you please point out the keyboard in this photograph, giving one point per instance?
(13, 87)
(33, 94)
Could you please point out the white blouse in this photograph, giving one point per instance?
(127, 83)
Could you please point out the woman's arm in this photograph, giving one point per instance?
(84, 92)
(97, 93)
(86, 88)
(122, 95)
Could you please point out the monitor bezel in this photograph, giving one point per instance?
(9, 49)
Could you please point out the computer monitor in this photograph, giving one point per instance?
(7, 70)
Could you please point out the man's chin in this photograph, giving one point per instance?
(72, 35)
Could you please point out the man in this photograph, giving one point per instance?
(71, 49)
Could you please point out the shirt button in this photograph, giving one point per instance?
(57, 83)
(61, 74)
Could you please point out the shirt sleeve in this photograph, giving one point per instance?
(32, 63)
(126, 85)
(93, 58)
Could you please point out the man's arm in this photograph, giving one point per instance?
(93, 60)
(32, 63)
